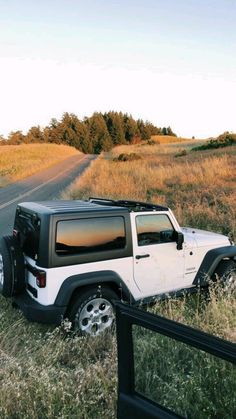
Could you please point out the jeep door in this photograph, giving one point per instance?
(158, 265)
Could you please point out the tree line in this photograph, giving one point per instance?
(94, 134)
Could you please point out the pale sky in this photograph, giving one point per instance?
(172, 62)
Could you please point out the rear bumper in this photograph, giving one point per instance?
(36, 312)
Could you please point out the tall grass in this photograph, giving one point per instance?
(17, 162)
(46, 373)
(191, 382)
(184, 379)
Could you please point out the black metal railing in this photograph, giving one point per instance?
(168, 370)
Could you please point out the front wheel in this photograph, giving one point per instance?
(226, 272)
(92, 311)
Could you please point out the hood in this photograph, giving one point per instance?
(205, 238)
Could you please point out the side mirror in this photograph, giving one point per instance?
(179, 240)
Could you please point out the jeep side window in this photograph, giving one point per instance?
(90, 235)
(154, 229)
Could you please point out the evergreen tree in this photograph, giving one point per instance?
(115, 128)
(2, 140)
(153, 129)
(98, 133)
(131, 129)
(144, 130)
(75, 133)
(16, 138)
(83, 143)
(168, 131)
(53, 133)
(34, 135)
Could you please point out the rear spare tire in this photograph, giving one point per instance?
(12, 280)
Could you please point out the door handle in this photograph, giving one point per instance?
(142, 256)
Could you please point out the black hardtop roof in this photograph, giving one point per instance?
(92, 205)
(62, 207)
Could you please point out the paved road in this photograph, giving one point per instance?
(46, 185)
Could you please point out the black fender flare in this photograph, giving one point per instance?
(211, 261)
(75, 282)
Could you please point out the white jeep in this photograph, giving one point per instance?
(73, 259)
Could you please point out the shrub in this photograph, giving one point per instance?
(182, 152)
(153, 142)
(127, 157)
(224, 140)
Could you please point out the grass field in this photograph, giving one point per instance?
(168, 139)
(45, 373)
(17, 162)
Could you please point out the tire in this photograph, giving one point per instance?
(92, 311)
(226, 272)
(12, 279)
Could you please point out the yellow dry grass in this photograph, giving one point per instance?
(17, 162)
(199, 187)
(145, 149)
(166, 139)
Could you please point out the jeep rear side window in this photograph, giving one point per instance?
(90, 235)
(154, 229)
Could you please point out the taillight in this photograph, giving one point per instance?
(41, 279)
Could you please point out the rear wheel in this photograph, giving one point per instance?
(92, 311)
(226, 273)
(11, 267)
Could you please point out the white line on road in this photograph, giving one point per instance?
(33, 190)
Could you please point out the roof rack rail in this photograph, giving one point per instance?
(131, 205)
(101, 200)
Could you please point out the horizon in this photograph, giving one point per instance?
(172, 64)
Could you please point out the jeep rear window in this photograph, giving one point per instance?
(90, 235)
(27, 230)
